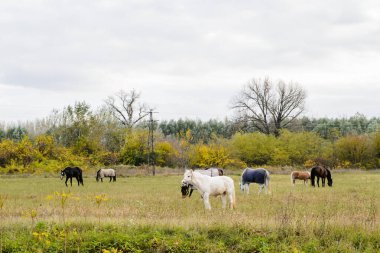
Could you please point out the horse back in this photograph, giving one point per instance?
(73, 171)
(109, 172)
(255, 176)
(319, 171)
(300, 175)
(222, 185)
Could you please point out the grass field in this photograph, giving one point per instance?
(148, 214)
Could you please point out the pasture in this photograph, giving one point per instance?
(148, 213)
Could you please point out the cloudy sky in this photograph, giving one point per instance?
(187, 58)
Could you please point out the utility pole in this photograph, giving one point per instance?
(151, 156)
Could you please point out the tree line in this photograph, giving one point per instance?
(266, 130)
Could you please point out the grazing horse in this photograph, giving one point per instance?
(259, 176)
(321, 172)
(71, 172)
(111, 173)
(211, 186)
(301, 175)
(212, 172)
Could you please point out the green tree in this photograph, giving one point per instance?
(135, 150)
(300, 147)
(8, 152)
(353, 150)
(16, 133)
(205, 156)
(166, 154)
(253, 148)
(45, 145)
(26, 153)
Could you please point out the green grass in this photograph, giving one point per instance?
(148, 214)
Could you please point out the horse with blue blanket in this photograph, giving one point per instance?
(259, 176)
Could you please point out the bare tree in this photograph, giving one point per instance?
(126, 109)
(268, 107)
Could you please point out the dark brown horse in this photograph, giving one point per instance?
(323, 173)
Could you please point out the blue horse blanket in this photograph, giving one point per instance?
(254, 176)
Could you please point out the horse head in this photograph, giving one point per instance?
(62, 174)
(241, 183)
(97, 175)
(241, 186)
(329, 178)
(187, 176)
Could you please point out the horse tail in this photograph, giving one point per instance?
(233, 203)
(267, 179)
(234, 199)
(80, 177)
(292, 178)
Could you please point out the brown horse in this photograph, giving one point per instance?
(321, 172)
(301, 175)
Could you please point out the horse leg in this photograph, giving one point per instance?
(323, 182)
(66, 181)
(101, 179)
(71, 181)
(261, 188)
(78, 180)
(206, 201)
(224, 200)
(110, 179)
(191, 192)
(232, 200)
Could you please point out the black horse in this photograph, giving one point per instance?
(320, 172)
(71, 172)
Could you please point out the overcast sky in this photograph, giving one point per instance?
(187, 58)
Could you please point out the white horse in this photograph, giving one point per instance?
(211, 186)
(259, 176)
(111, 173)
(212, 172)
